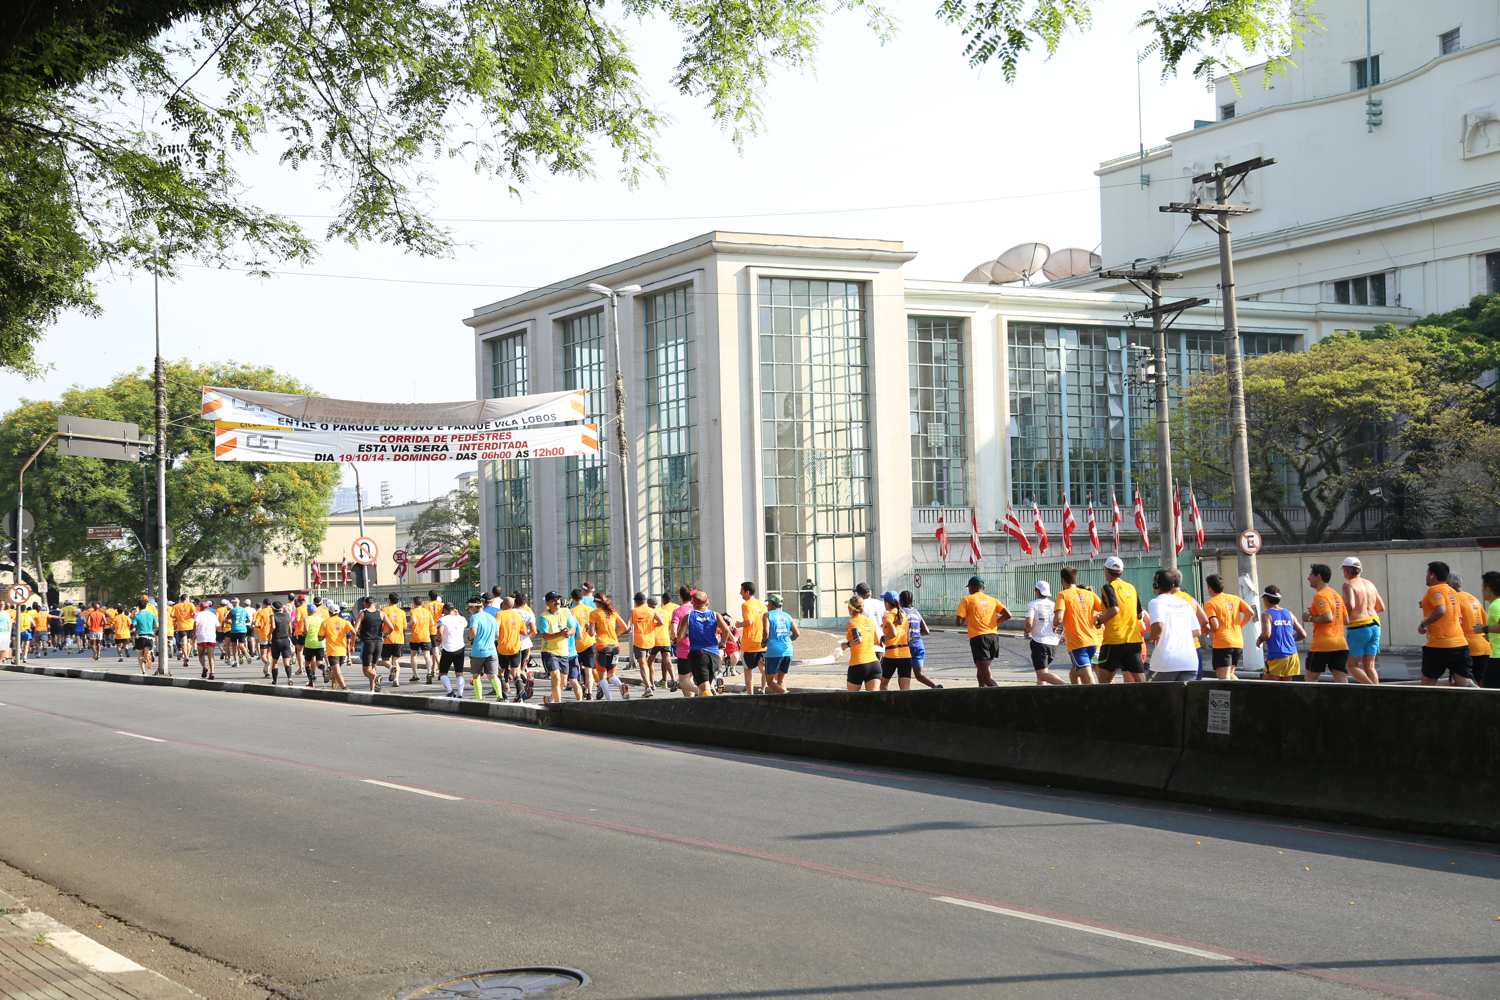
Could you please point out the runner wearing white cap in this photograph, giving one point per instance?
(1363, 632)
(1121, 621)
(1043, 637)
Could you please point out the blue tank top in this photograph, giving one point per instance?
(703, 632)
(779, 635)
(1283, 640)
(914, 619)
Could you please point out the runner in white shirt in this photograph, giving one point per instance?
(1174, 626)
(206, 635)
(1039, 629)
(451, 645)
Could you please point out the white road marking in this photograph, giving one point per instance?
(83, 950)
(414, 791)
(1183, 949)
(138, 736)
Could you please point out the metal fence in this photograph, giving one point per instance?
(939, 589)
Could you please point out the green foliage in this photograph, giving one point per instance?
(121, 123)
(450, 524)
(219, 514)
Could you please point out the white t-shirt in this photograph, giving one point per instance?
(528, 622)
(451, 632)
(875, 611)
(205, 626)
(1039, 614)
(1174, 651)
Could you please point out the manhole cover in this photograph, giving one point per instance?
(504, 984)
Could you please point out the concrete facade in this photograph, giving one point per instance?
(1415, 201)
(723, 271)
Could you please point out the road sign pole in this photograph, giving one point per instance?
(359, 506)
(161, 487)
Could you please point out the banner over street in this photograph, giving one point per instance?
(234, 442)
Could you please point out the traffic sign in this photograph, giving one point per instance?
(27, 523)
(19, 593)
(105, 533)
(85, 437)
(916, 581)
(364, 550)
(1250, 541)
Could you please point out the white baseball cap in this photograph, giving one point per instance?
(1353, 563)
(1115, 564)
(1044, 588)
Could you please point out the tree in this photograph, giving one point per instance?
(219, 514)
(1326, 426)
(121, 124)
(452, 525)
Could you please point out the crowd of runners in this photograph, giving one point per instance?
(497, 645)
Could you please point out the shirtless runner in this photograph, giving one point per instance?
(1365, 605)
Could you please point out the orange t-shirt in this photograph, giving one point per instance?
(644, 621)
(421, 623)
(1328, 636)
(182, 616)
(1232, 613)
(860, 635)
(508, 627)
(896, 636)
(1078, 608)
(607, 627)
(93, 620)
(981, 614)
(753, 614)
(1470, 617)
(1448, 631)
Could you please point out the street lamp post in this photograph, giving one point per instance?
(627, 507)
(359, 506)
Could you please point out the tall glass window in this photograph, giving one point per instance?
(671, 456)
(939, 444)
(511, 479)
(1090, 390)
(587, 491)
(814, 408)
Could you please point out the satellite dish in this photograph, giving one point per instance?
(1000, 274)
(1024, 259)
(1070, 262)
(980, 274)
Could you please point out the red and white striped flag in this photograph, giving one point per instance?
(1197, 518)
(1069, 525)
(460, 561)
(1094, 547)
(1140, 522)
(1114, 519)
(942, 537)
(428, 560)
(317, 575)
(975, 552)
(1177, 520)
(344, 572)
(1013, 529)
(1039, 528)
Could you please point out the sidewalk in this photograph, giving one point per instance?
(40, 959)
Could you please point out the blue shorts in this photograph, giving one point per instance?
(918, 655)
(778, 664)
(1082, 657)
(1364, 640)
(26, 635)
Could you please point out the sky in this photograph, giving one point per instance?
(860, 144)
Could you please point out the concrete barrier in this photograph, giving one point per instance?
(1124, 739)
(1418, 759)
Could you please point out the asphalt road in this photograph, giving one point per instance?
(255, 831)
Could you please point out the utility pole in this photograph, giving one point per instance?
(1148, 282)
(162, 606)
(1216, 216)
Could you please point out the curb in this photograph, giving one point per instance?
(132, 977)
(503, 711)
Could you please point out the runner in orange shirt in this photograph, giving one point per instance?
(1077, 616)
(752, 626)
(1329, 647)
(645, 622)
(1228, 614)
(981, 615)
(1446, 650)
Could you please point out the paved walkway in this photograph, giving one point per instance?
(40, 959)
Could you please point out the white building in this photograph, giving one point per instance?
(800, 409)
(1406, 213)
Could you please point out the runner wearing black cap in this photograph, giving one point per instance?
(982, 614)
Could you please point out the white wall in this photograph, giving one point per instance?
(1341, 200)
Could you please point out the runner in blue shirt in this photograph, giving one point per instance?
(918, 647)
(239, 632)
(481, 635)
(144, 623)
(780, 631)
(707, 635)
